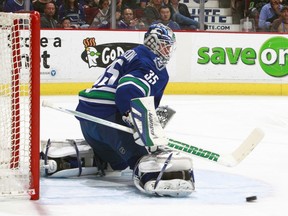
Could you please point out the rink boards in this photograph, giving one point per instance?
(203, 63)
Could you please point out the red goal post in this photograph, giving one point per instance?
(19, 104)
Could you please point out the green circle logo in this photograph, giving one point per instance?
(274, 56)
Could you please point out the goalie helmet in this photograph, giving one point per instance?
(161, 40)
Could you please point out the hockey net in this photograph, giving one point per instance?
(19, 105)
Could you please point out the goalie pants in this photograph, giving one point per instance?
(116, 147)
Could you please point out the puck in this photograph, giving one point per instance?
(251, 198)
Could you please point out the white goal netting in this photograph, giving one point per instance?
(15, 105)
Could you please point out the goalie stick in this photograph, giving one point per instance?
(229, 160)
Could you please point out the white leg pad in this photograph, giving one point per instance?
(174, 187)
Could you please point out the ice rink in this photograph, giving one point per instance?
(219, 123)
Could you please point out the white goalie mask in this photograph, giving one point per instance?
(161, 40)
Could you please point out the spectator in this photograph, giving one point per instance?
(2, 5)
(238, 8)
(281, 24)
(165, 18)
(255, 7)
(39, 5)
(15, 5)
(253, 13)
(47, 20)
(268, 14)
(90, 13)
(151, 12)
(102, 18)
(93, 3)
(181, 15)
(74, 10)
(254, 10)
(85, 3)
(129, 22)
(133, 4)
(122, 4)
(66, 23)
(117, 15)
(58, 3)
(258, 4)
(143, 3)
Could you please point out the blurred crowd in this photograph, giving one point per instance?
(268, 15)
(129, 14)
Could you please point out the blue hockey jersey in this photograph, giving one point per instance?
(137, 73)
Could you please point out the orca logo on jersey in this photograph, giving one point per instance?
(104, 54)
(159, 64)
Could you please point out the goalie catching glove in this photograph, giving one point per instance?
(165, 173)
(164, 114)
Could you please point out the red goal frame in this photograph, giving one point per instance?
(35, 101)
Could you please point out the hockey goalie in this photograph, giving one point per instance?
(129, 94)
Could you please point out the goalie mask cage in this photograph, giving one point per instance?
(19, 105)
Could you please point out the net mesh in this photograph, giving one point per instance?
(15, 105)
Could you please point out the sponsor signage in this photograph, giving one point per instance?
(82, 56)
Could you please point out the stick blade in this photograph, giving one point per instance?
(244, 149)
(47, 103)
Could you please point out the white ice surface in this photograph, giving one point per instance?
(219, 123)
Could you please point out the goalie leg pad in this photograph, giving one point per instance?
(157, 174)
(67, 158)
(173, 188)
